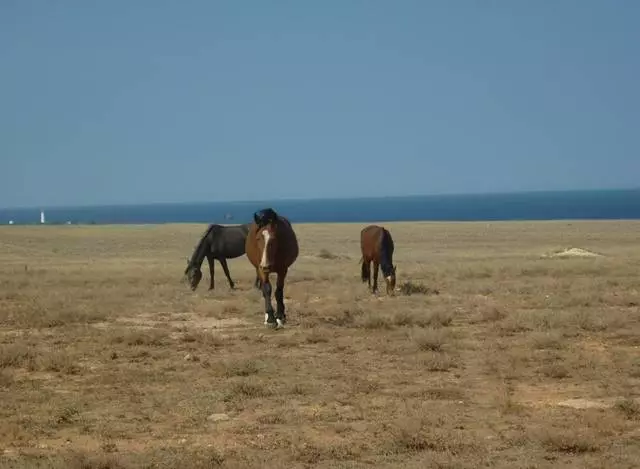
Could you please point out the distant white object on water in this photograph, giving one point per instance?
(11, 222)
(42, 216)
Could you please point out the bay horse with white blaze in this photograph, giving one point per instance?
(377, 246)
(272, 247)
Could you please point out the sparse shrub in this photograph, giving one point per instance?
(299, 389)
(404, 318)
(490, 314)
(208, 458)
(58, 362)
(17, 356)
(66, 415)
(555, 370)
(317, 336)
(231, 310)
(325, 254)
(150, 337)
(248, 389)
(376, 321)
(437, 318)
(506, 402)
(434, 361)
(288, 341)
(346, 319)
(406, 440)
(6, 379)
(570, 442)
(272, 419)
(416, 288)
(85, 461)
(588, 321)
(629, 407)
(446, 393)
(415, 436)
(109, 447)
(430, 340)
(515, 323)
(307, 453)
(241, 368)
(547, 340)
(365, 386)
(208, 339)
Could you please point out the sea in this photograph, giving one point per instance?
(566, 205)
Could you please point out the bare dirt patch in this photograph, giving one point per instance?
(573, 252)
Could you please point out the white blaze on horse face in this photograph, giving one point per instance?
(267, 238)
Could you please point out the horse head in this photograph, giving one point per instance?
(193, 274)
(266, 221)
(390, 280)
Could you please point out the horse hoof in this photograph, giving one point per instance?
(280, 323)
(269, 320)
(270, 325)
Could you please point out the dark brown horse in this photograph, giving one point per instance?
(376, 245)
(272, 247)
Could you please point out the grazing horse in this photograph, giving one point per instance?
(218, 242)
(272, 247)
(376, 245)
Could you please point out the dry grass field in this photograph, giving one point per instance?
(490, 355)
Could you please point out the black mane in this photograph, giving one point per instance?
(265, 216)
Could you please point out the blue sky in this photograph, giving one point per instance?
(177, 101)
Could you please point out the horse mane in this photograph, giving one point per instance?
(265, 216)
(386, 262)
(199, 249)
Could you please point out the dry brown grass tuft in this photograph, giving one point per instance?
(109, 361)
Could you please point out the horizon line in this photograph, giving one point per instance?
(320, 199)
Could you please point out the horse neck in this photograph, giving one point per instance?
(200, 252)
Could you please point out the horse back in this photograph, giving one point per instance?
(370, 237)
(228, 241)
(374, 241)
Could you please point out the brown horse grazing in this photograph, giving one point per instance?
(272, 247)
(376, 245)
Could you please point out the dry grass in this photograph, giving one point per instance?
(107, 360)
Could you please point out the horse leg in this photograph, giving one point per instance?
(258, 282)
(375, 276)
(223, 262)
(269, 318)
(210, 260)
(281, 317)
